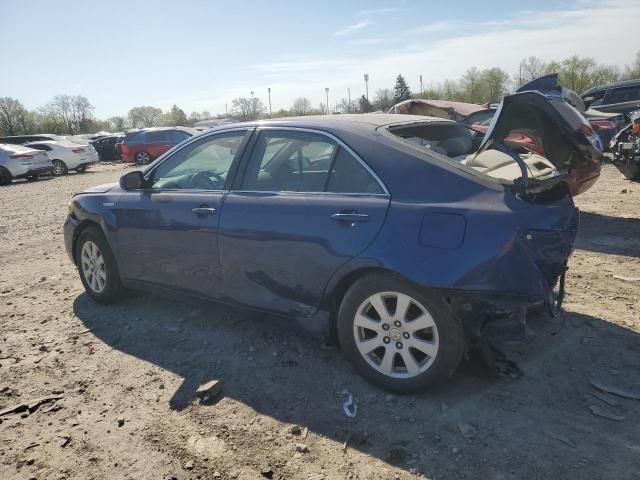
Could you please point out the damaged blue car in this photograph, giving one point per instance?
(405, 237)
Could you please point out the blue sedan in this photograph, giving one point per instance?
(405, 237)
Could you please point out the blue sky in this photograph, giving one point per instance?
(202, 54)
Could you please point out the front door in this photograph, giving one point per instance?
(305, 206)
(167, 233)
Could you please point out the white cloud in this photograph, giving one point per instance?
(349, 29)
(377, 11)
(606, 31)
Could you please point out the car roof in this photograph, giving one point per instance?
(192, 131)
(624, 83)
(342, 122)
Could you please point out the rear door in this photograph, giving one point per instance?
(621, 99)
(305, 205)
(167, 234)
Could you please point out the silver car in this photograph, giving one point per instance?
(17, 161)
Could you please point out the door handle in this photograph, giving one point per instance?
(351, 218)
(204, 211)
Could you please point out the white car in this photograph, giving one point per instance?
(17, 161)
(66, 155)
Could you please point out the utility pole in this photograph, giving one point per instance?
(269, 90)
(326, 90)
(226, 112)
(349, 104)
(421, 89)
(366, 84)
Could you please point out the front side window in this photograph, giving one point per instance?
(178, 136)
(159, 136)
(287, 161)
(203, 165)
(134, 137)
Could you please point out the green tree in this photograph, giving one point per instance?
(365, 106)
(633, 71)
(401, 91)
(495, 85)
(472, 86)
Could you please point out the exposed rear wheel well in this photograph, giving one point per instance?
(339, 291)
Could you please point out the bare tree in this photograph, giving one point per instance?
(145, 116)
(247, 108)
(27, 120)
(301, 106)
(530, 69)
(383, 99)
(117, 123)
(347, 107)
(633, 71)
(10, 111)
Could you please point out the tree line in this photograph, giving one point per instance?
(73, 114)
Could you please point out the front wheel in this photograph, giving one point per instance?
(631, 171)
(143, 158)
(97, 266)
(5, 177)
(398, 336)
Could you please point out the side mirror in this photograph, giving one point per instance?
(132, 181)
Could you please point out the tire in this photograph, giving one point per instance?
(5, 177)
(81, 169)
(442, 336)
(59, 168)
(631, 172)
(143, 158)
(98, 268)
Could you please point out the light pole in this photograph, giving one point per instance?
(251, 93)
(349, 104)
(366, 84)
(326, 90)
(269, 90)
(421, 89)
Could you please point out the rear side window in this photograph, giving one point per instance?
(161, 136)
(178, 136)
(623, 94)
(288, 161)
(39, 146)
(134, 137)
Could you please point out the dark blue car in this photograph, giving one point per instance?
(401, 235)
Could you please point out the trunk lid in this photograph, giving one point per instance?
(545, 111)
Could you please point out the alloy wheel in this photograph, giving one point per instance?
(58, 167)
(143, 158)
(93, 266)
(396, 334)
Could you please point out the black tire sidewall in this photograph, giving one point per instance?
(113, 289)
(450, 333)
(5, 177)
(631, 172)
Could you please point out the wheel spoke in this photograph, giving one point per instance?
(423, 321)
(409, 362)
(425, 346)
(402, 305)
(366, 322)
(386, 364)
(367, 346)
(377, 302)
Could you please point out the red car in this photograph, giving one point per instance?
(144, 146)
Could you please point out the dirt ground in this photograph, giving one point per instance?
(127, 375)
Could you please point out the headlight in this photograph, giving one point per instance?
(71, 207)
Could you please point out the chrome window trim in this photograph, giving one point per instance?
(260, 128)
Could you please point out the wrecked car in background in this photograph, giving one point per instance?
(626, 148)
(397, 234)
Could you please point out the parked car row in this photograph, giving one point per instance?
(145, 145)
(24, 156)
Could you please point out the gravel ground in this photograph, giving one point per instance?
(128, 373)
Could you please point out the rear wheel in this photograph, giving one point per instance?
(398, 336)
(5, 177)
(143, 158)
(59, 168)
(97, 266)
(632, 172)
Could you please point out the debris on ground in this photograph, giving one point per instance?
(301, 448)
(603, 413)
(627, 279)
(466, 429)
(620, 392)
(31, 405)
(189, 465)
(350, 407)
(66, 439)
(209, 391)
(295, 430)
(560, 438)
(120, 421)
